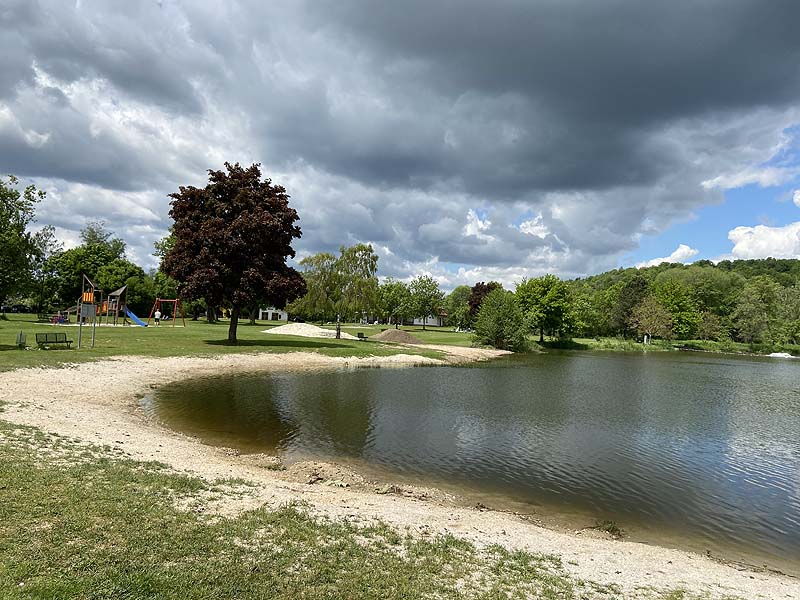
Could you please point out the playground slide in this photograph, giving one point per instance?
(134, 318)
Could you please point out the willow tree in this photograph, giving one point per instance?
(232, 240)
(346, 285)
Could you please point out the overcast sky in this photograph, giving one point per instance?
(469, 140)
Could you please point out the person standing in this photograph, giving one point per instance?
(157, 317)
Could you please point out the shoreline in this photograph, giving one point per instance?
(98, 402)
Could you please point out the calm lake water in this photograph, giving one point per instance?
(694, 450)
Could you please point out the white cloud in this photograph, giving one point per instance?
(475, 226)
(763, 176)
(763, 241)
(796, 198)
(682, 254)
(535, 226)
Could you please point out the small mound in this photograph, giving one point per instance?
(398, 336)
(307, 330)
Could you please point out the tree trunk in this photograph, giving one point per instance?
(423, 323)
(541, 335)
(234, 324)
(211, 315)
(253, 313)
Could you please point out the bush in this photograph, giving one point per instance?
(500, 322)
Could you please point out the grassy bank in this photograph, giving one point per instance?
(628, 345)
(196, 339)
(80, 521)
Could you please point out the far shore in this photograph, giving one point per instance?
(97, 403)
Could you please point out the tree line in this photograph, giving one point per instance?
(751, 301)
(39, 274)
(230, 242)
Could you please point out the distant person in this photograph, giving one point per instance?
(157, 317)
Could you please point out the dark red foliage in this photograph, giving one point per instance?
(232, 240)
(478, 292)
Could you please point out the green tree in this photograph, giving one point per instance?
(789, 314)
(346, 285)
(164, 286)
(500, 322)
(164, 245)
(99, 248)
(426, 297)
(457, 307)
(630, 295)
(545, 303)
(96, 234)
(47, 246)
(712, 289)
(323, 288)
(586, 313)
(678, 300)
(18, 249)
(649, 318)
(232, 240)
(395, 301)
(756, 311)
(141, 294)
(710, 327)
(114, 274)
(357, 268)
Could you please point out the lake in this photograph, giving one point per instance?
(685, 449)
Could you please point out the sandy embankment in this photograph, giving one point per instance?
(97, 402)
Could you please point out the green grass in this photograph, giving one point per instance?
(618, 344)
(79, 521)
(737, 347)
(198, 338)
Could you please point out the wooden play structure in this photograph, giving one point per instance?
(113, 305)
(176, 306)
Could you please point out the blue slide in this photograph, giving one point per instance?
(134, 318)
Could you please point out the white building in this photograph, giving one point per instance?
(272, 314)
(431, 320)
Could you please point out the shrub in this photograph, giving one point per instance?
(500, 322)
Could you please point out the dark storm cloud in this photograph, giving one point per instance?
(130, 44)
(591, 80)
(394, 122)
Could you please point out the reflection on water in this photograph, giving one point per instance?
(704, 445)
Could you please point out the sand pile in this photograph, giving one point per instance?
(398, 336)
(307, 330)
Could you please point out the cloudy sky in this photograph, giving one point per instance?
(469, 140)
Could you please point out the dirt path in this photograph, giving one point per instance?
(97, 402)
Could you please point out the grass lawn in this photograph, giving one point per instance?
(81, 521)
(623, 345)
(198, 338)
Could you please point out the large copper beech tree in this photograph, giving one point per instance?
(232, 239)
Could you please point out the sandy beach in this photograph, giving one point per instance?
(98, 403)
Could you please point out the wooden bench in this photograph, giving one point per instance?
(360, 335)
(45, 340)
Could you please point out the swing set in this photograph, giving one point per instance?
(176, 306)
